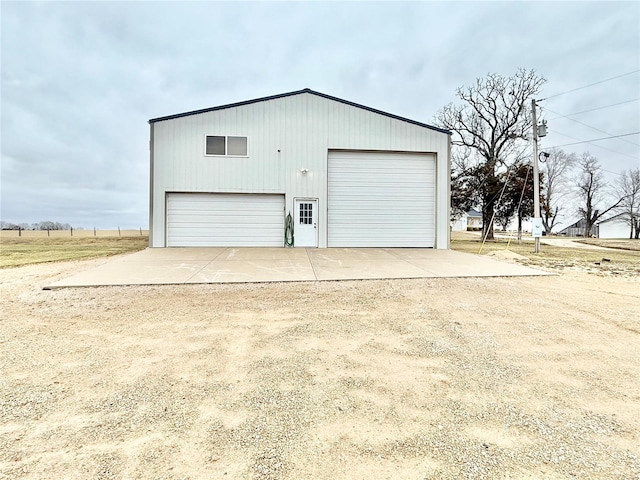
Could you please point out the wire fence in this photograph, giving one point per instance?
(82, 233)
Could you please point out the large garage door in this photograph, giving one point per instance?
(225, 220)
(381, 200)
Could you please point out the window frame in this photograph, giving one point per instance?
(225, 146)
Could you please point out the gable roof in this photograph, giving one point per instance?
(299, 92)
(579, 224)
(474, 213)
(620, 216)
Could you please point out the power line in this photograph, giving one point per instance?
(580, 141)
(615, 173)
(603, 138)
(596, 140)
(593, 109)
(590, 126)
(590, 85)
(597, 146)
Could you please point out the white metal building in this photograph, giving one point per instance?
(472, 219)
(618, 226)
(350, 175)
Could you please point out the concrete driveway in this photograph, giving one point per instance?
(167, 266)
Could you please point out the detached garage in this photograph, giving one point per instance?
(345, 175)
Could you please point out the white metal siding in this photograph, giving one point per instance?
(284, 136)
(614, 229)
(225, 220)
(381, 200)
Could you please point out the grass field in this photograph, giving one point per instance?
(75, 233)
(613, 243)
(18, 251)
(558, 258)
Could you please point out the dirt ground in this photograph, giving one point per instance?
(511, 378)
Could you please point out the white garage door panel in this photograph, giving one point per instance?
(225, 220)
(381, 200)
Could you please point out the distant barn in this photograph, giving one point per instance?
(578, 229)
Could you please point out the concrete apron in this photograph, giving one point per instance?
(170, 266)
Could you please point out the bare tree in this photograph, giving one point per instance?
(628, 189)
(555, 169)
(463, 187)
(49, 225)
(591, 191)
(492, 121)
(8, 225)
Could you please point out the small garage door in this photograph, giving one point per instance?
(224, 220)
(381, 200)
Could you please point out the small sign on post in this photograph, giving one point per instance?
(536, 227)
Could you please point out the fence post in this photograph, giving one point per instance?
(19, 231)
(94, 231)
(48, 233)
(119, 232)
(140, 231)
(72, 231)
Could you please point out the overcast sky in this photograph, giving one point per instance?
(81, 80)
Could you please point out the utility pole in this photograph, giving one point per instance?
(536, 178)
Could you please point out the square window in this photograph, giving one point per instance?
(215, 146)
(237, 146)
(306, 214)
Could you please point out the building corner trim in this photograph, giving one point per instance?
(151, 151)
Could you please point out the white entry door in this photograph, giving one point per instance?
(306, 223)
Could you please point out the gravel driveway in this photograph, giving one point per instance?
(428, 379)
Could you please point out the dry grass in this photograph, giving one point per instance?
(618, 243)
(554, 258)
(18, 251)
(76, 233)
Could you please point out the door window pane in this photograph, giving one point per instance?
(305, 216)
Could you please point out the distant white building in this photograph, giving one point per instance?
(470, 220)
(349, 175)
(615, 227)
(460, 224)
